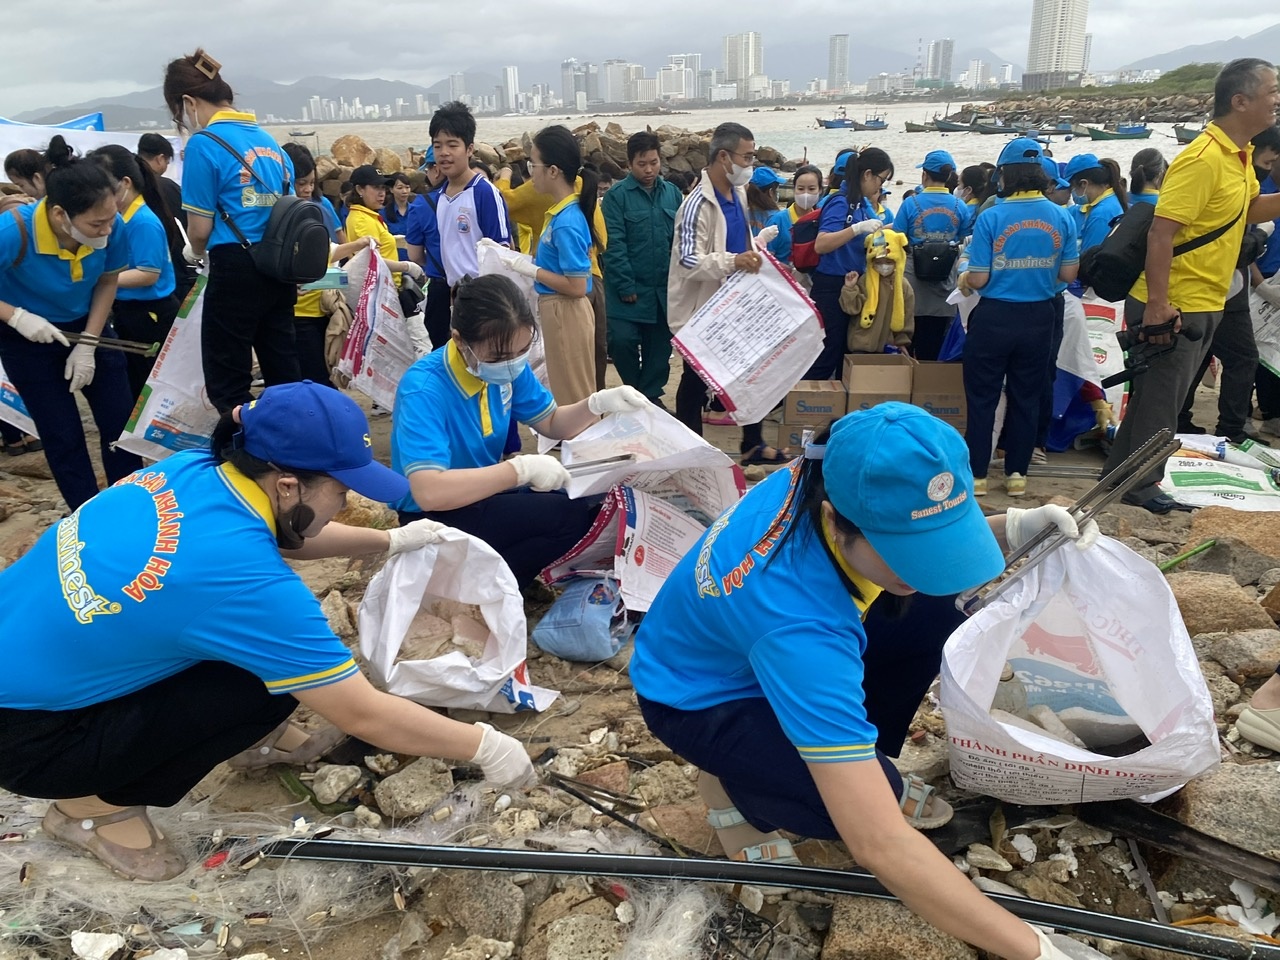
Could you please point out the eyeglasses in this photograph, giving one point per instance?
(744, 157)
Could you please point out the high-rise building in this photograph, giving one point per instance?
(690, 64)
(838, 61)
(591, 82)
(613, 81)
(315, 108)
(671, 83)
(706, 80)
(978, 74)
(646, 90)
(457, 86)
(1006, 74)
(938, 60)
(570, 81)
(1088, 52)
(510, 89)
(743, 58)
(1056, 53)
(419, 104)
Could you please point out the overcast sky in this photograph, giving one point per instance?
(79, 50)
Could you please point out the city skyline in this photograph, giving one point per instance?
(1056, 49)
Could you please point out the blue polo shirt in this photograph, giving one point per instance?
(737, 238)
(447, 419)
(174, 565)
(213, 181)
(422, 230)
(784, 220)
(1149, 196)
(1022, 244)
(330, 216)
(835, 217)
(1269, 262)
(1097, 219)
(564, 247)
(52, 282)
(148, 250)
(932, 214)
(741, 617)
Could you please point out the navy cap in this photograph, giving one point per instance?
(1020, 150)
(765, 177)
(1081, 164)
(842, 160)
(935, 160)
(305, 426)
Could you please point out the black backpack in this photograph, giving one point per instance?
(295, 246)
(1114, 265)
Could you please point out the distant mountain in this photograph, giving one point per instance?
(1261, 44)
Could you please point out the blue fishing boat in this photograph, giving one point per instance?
(874, 121)
(841, 121)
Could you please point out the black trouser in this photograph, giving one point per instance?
(691, 398)
(1046, 398)
(528, 530)
(148, 747)
(930, 334)
(147, 321)
(435, 312)
(826, 296)
(245, 312)
(1268, 385)
(309, 334)
(1237, 350)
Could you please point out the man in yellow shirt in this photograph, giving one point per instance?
(1209, 186)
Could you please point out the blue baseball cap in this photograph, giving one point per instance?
(306, 426)
(1051, 171)
(842, 159)
(766, 177)
(935, 160)
(1079, 165)
(1020, 150)
(902, 476)
(428, 158)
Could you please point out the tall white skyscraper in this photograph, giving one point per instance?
(613, 80)
(743, 56)
(510, 89)
(1088, 51)
(457, 86)
(938, 59)
(838, 61)
(978, 74)
(1056, 53)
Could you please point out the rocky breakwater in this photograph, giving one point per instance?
(1174, 108)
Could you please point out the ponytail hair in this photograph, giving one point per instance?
(120, 163)
(198, 76)
(74, 184)
(559, 148)
(1147, 169)
(1107, 174)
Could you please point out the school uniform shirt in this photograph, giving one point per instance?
(1150, 196)
(363, 222)
(741, 617)
(1022, 244)
(174, 565)
(448, 419)
(836, 217)
(1269, 262)
(735, 219)
(213, 181)
(1097, 219)
(397, 224)
(331, 219)
(784, 220)
(148, 251)
(422, 230)
(932, 214)
(51, 282)
(564, 246)
(476, 212)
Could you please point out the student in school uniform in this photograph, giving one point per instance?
(1146, 174)
(422, 242)
(228, 202)
(59, 260)
(400, 200)
(1098, 190)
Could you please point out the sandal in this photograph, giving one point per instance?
(756, 455)
(775, 851)
(1261, 727)
(712, 419)
(913, 788)
(264, 754)
(160, 861)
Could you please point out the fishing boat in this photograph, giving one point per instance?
(1131, 127)
(1065, 124)
(874, 121)
(302, 133)
(920, 127)
(995, 129)
(841, 121)
(1134, 134)
(1186, 134)
(949, 126)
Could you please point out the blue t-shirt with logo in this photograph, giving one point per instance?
(422, 230)
(1022, 244)
(564, 246)
(932, 214)
(741, 617)
(149, 251)
(174, 565)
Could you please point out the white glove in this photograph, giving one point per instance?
(540, 471)
(36, 328)
(1021, 525)
(767, 235)
(412, 271)
(1267, 226)
(867, 226)
(189, 255)
(413, 535)
(616, 400)
(80, 366)
(503, 759)
(523, 266)
(490, 242)
(1269, 292)
(1051, 951)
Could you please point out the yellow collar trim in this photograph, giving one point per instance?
(47, 243)
(134, 207)
(359, 209)
(865, 587)
(249, 493)
(935, 190)
(1086, 207)
(551, 214)
(235, 116)
(469, 384)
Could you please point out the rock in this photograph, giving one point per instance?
(769, 157)
(686, 823)
(483, 904)
(488, 154)
(1253, 653)
(987, 885)
(415, 790)
(1038, 888)
(338, 614)
(363, 512)
(37, 468)
(514, 153)
(1232, 557)
(584, 938)
(863, 929)
(1254, 529)
(1271, 603)
(982, 857)
(1212, 602)
(574, 901)
(96, 946)
(1234, 803)
(331, 782)
(351, 151)
(666, 782)
(388, 161)
(16, 544)
(326, 169)
(928, 759)
(321, 576)
(1224, 692)
(478, 948)
(612, 776)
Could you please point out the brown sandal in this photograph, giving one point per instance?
(318, 743)
(160, 861)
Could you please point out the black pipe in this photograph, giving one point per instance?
(852, 882)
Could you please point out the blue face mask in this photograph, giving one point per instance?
(498, 372)
(1079, 199)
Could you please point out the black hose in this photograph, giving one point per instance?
(857, 883)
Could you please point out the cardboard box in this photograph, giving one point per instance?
(939, 388)
(792, 435)
(815, 402)
(872, 378)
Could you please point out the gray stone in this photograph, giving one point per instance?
(1233, 558)
(1084, 835)
(478, 948)
(928, 760)
(332, 782)
(584, 938)
(482, 904)
(983, 857)
(1269, 580)
(1213, 602)
(1253, 653)
(1235, 802)
(864, 929)
(415, 789)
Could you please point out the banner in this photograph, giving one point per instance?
(12, 409)
(17, 136)
(90, 121)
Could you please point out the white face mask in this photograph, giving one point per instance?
(740, 176)
(885, 268)
(95, 243)
(960, 193)
(806, 201)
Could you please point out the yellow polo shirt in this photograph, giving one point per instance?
(363, 222)
(1209, 182)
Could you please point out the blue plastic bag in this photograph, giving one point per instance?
(953, 343)
(587, 623)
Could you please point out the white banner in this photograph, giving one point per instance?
(21, 137)
(1266, 330)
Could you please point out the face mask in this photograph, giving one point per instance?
(885, 268)
(498, 372)
(806, 201)
(740, 176)
(1079, 199)
(95, 243)
(960, 193)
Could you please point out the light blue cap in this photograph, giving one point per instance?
(1081, 164)
(1053, 173)
(1020, 150)
(902, 477)
(935, 160)
(842, 160)
(765, 177)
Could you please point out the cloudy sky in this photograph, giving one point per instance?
(79, 50)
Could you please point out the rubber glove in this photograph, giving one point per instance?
(616, 400)
(1021, 525)
(1268, 227)
(413, 535)
(189, 255)
(767, 235)
(80, 366)
(412, 271)
(540, 471)
(523, 266)
(1051, 951)
(503, 759)
(1104, 413)
(962, 284)
(862, 228)
(36, 328)
(490, 242)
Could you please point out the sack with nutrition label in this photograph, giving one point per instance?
(1106, 700)
(444, 626)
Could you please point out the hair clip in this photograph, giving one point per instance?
(207, 65)
(815, 451)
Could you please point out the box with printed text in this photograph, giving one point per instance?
(939, 388)
(872, 378)
(815, 402)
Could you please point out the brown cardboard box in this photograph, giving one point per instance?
(792, 435)
(872, 378)
(815, 402)
(939, 388)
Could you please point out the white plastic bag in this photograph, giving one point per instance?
(465, 569)
(1096, 636)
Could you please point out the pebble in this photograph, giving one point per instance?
(1025, 846)
(502, 803)
(987, 885)
(982, 857)
(625, 912)
(367, 818)
(752, 898)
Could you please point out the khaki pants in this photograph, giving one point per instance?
(569, 335)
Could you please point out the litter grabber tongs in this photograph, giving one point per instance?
(1109, 489)
(114, 343)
